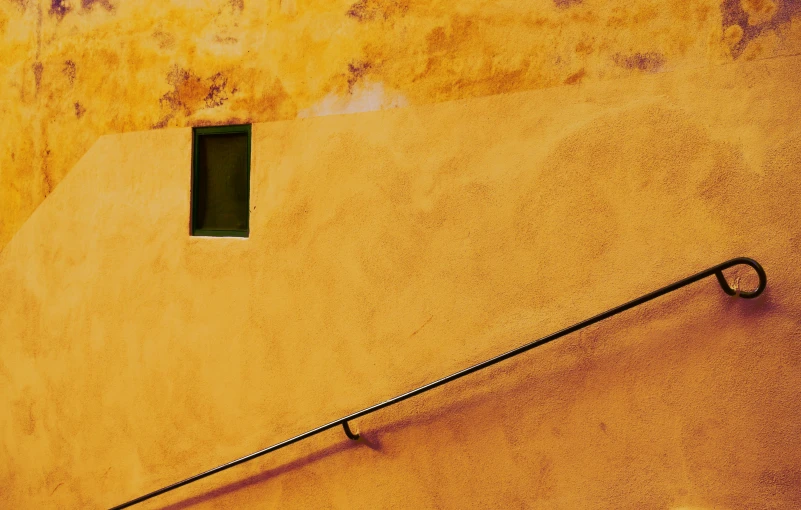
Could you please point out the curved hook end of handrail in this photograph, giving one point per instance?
(747, 294)
(349, 433)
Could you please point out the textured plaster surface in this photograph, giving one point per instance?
(73, 70)
(390, 248)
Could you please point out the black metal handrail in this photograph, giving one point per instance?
(717, 271)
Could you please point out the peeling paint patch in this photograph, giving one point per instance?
(650, 62)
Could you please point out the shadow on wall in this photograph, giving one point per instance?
(608, 359)
(271, 473)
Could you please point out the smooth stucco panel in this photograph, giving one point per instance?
(389, 248)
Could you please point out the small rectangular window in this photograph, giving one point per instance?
(221, 181)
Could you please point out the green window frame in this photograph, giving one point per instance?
(219, 190)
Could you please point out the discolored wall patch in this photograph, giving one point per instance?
(745, 20)
(59, 8)
(165, 40)
(89, 4)
(649, 62)
(69, 71)
(576, 77)
(370, 10)
(191, 92)
(564, 4)
(356, 72)
(38, 69)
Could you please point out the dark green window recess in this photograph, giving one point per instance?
(221, 181)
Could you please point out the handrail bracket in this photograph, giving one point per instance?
(349, 433)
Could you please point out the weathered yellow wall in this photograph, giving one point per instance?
(392, 247)
(72, 70)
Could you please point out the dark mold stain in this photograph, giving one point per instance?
(89, 4)
(79, 110)
(185, 84)
(47, 180)
(217, 91)
(362, 10)
(191, 92)
(232, 121)
(38, 68)
(59, 8)
(576, 77)
(162, 123)
(357, 71)
(650, 62)
(733, 15)
(564, 4)
(69, 70)
(370, 10)
(225, 40)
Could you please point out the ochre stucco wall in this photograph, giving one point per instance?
(389, 248)
(72, 70)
